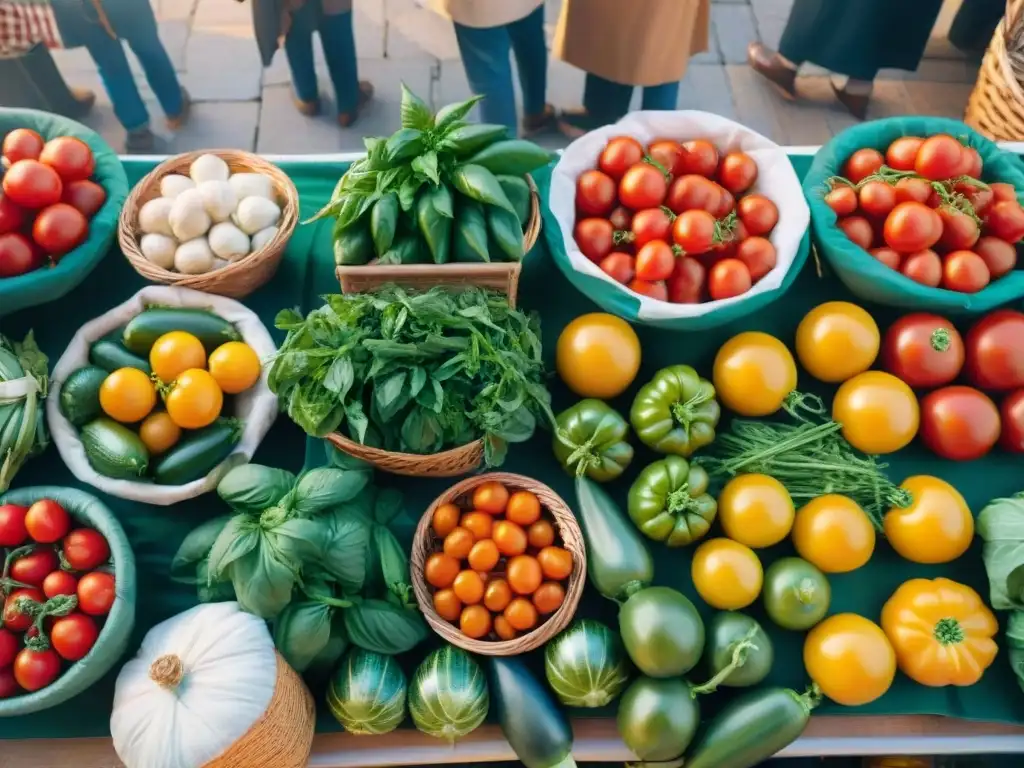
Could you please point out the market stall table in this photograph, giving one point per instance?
(307, 272)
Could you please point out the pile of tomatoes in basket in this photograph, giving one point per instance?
(675, 221)
(922, 209)
(57, 592)
(47, 201)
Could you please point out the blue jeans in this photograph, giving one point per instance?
(339, 44)
(610, 101)
(485, 56)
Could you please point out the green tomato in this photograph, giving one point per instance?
(662, 632)
(657, 719)
(796, 594)
(669, 502)
(590, 439)
(676, 412)
(726, 632)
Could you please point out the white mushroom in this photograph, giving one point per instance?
(159, 249)
(218, 199)
(256, 213)
(261, 238)
(208, 168)
(194, 257)
(154, 216)
(228, 242)
(174, 184)
(252, 185)
(188, 216)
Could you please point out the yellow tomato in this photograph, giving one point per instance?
(195, 399)
(833, 533)
(755, 510)
(726, 574)
(174, 353)
(850, 659)
(234, 366)
(936, 526)
(127, 395)
(879, 412)
(837, 340)
(753, 374)
(941, 631)
(598, 355)
(159, 432)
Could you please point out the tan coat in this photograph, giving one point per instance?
(639, 42)
(485, 13)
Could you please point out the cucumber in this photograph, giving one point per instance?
(110, 354)
(198, 453)
(113, 450)
(80, 395)
(149, 325)
(537, 730)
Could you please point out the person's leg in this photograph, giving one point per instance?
(298, 47)
(530, 48)
(664, 97)
(339, 44)
(485, 57)
(604, 102)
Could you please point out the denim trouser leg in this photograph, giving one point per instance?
(339, 46)
(527, 36)
(661, 97)
(604, 99)
(137, 26)
(485, 57)
(112, 64)
(298, 47)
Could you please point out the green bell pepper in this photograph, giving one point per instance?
(590, 439)
(676, 411)
(669, 502)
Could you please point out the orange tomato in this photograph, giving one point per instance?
(458, 543)
(548, 597)
(521, 614)
(158, 432)
(503, 629)
(850, 659)
(541, 534)
(174, 353)
(469, 587)
(195, 400)
(523, 508)
(555, 562)
(447, 605)
(936, 527)
(497, 595)
(235, 367)
(598, 355)
(475, 621)
(484, 555)
(491, 497)
(441, 570)
(445, 519)
(478, 523)
(510, 538)
(524, 575)
(127, 395)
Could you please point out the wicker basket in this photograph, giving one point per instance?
(425, 543)
(996, 106)
(238, 279)
(499, 276)
(450, 463)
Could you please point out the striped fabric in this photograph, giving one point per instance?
(24, 24)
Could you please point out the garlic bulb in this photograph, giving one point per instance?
(218, 199)
(208, 168)
(228, 242)
(174, 184)
(188, 216)
(194, 257)
(154, 216)
(261, 238)
(252, 185)
(159, 249)
(256, 213)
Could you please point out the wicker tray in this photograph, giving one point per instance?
(996, 105)
(450, 463)
(238, 279)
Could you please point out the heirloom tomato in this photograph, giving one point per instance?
(36, 669)
(669, 502)
(595, 193)
(862, 164)
(837, 340)
(850, 659)
(1011, 414)
(902, 153)
(936, 526)
(726, 574)
(959, 423)
(174, 353)
(796, 594)
(995, 351)
(598, 355)
(879, 413)
(753, 374)
(676, 411)
(924, 350)
(619, 155)
(127, 395)
(755, 510)
(642, 186)
(833, 533)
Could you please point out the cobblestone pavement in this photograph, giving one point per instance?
(240, 105)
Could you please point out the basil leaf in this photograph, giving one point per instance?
(388, 505)
(263, 583)
(414, 111)
(325, 662)
(407, 192)
(253, 487)
(422, 432)
(301, 632)
(452, 113)
(326, 487)
(194, 549)
(340, 377)
(217, 592)
(426, 164)
(239, 536)
(382, 627)
(357, 421)
(391, 395)
(394, 565)
(347, 541)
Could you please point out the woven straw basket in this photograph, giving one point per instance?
(450, 463)
(238, 279)
(498, 276)
(425, 543)
(996, 106)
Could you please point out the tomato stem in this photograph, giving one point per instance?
(949, 632)
(805, 591)
(941, 339)
(622, 236)
(583, 455)
(664, 171)
(740, 651)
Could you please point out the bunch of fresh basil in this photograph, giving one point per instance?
(1001, 526)
(314, 555)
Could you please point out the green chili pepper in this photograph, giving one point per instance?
(505, 232)
(676, 412)
(435, 228)
(669, 502)
(590, 439)
(470, 236)
(383, 222)
(353, 245)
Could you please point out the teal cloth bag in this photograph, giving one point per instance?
(620, 302)
(84, 509)
(51, 283)
(859, 271)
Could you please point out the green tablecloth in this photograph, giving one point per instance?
(308, 272)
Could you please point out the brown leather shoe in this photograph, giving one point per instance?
(307, 108)
(176, 122)
(574, 123)
(345, 119)
(770, 66)
(539, 123)
(856, 103)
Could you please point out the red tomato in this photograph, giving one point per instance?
(60, 583)
(96, 593)
(902, 153)
(621, 218)
(651, 224)
(33, 185)
(1005, 219)
(8, 647)
(995, 351)
(959, 231)
(47, 522)
(726, 203)
(1000, 257)
(862, 164)
(924, 350)
(595, 193)
(12, 526)
(71, 158)
(12, 215)
(8, 685)
(619, 155)
(17, 256)
(877, 198)
(1011, 414)
(964, 271)
(959, 423)
(643, 186)
(668, 154)
(59, 228)
(32, 569)
(73, 636)
(728, 278)
(924, 267)
(687, 281)
(87, 196)
(655, 261)
(595, 238)
(913, 190)
(859, 230)
(939, 157)
(654, 290)
(694, 231)
(971, 163)
(36, 669)
(1002, 191)
(15, 620)
(693, 193)
(620, 267)
(85, 549)
(700, 157)
(842, 199)
(912, 227)
(758, 254)
(737, 172)
(22, 144)
(758, 214)
(727, 248)
(887, 256)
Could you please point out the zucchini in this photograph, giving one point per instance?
(113, 450)
(537, 730)
(149, 325)
(657, 719)
(80, 395)
(110, 354)
(198, 453)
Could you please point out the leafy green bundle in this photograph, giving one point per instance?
(23, 386)
(414, 372)
(1001, 526)
(438, 190)
(314, 555)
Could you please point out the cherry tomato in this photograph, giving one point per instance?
(13, 532)
(33, 185)
(619, 155)
(643, 186)
(879, 412)
(85, 196)
(621, 218)
(17, 256)
(959, 423)
(924, 267)
(654, 290)
(999, 256)
(686, 284)
(669, 154)
(877, 198)
(862, 164)
(15, 620)
(8, 647)
(859, 230)
(71, 158)
(1002, 191)
(737, 172)
(700, 157)
(937, 527)
(842, 199)
(96, 593)
(887, 256)
(655, 261)
(651, 224)
(85, 549)
(12, 216)
(913, 190)
(73, 636)
(36, 669)
(47, 521)
(620, 267)
(959, 231)
(595, 238)
(8, 685)
(726, 249)
(940, 157)
(924, 350)
(980, 199)
(694, 231)
(912, 227)
(758, 214)
(60, 583)
(728, 278)
(971, 163)
(692, 192)
(902, 153)
(726, 202)
(22, 144)
(1011, 416)
(32, 569)
(964, 271)
(1005, 219)
(758, 254)
(595, 193)
(995, 351)
(836, 340)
